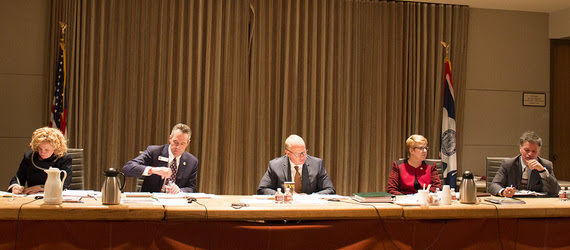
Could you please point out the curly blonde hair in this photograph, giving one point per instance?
(51, 135)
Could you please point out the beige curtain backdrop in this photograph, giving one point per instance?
(353, 78)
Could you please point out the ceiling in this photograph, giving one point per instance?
(546, 6)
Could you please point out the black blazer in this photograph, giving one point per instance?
(32, 176)
(185, 177)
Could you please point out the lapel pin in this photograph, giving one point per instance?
(184, 163)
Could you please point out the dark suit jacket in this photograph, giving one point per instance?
(510, 173)
(314, 177)
(185, 177)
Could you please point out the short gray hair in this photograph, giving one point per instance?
(530, 137)
(293, 139)
(185, 129)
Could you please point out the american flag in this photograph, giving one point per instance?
(58, 115)
(448, 132)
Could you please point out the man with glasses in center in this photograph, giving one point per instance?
(296, 165)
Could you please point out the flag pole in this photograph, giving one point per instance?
(448, 140)
(58, 114)
(446, 46)
(62, 27)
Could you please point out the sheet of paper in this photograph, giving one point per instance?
(309, 201)
(315, 197)
(79, 193)
(332, 196)
(202, 196)
(137, 200)
(138, 194)
(264, 196)
(6, 194)
(72, 199)
(173, 202)
(256, 201)
(184, 195)
(528, 193)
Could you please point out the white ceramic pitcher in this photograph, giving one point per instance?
(53, 188)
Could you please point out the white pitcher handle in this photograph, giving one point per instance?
(64, 176)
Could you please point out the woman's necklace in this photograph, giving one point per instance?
(40, 168)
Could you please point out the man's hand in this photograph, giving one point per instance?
(34, 190)
(534, 164)
(164, 172)
(17, 189)
(509, 192)
(172, 188)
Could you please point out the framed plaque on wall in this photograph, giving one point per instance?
(534, 99)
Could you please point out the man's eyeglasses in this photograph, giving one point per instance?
(422, 148)
(304, 153)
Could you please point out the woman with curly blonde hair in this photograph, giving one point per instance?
(49, 149)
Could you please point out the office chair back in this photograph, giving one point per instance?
(439, 167)
(140, 180)
(78, 166)
(492, 166)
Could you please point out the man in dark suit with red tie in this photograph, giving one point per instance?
(296, 165)
(167, 168)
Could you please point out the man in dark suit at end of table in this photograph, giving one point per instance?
(167, 168)
(296, 165)
(526, 171)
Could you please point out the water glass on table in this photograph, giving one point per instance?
(423, 197)
(168, 186)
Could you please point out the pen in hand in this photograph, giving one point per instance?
(508, 191)
(17, 189)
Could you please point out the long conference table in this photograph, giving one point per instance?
(214, 224)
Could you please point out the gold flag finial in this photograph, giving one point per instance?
(446, 46)
(62, 26)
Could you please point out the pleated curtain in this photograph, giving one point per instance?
(353, 78)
